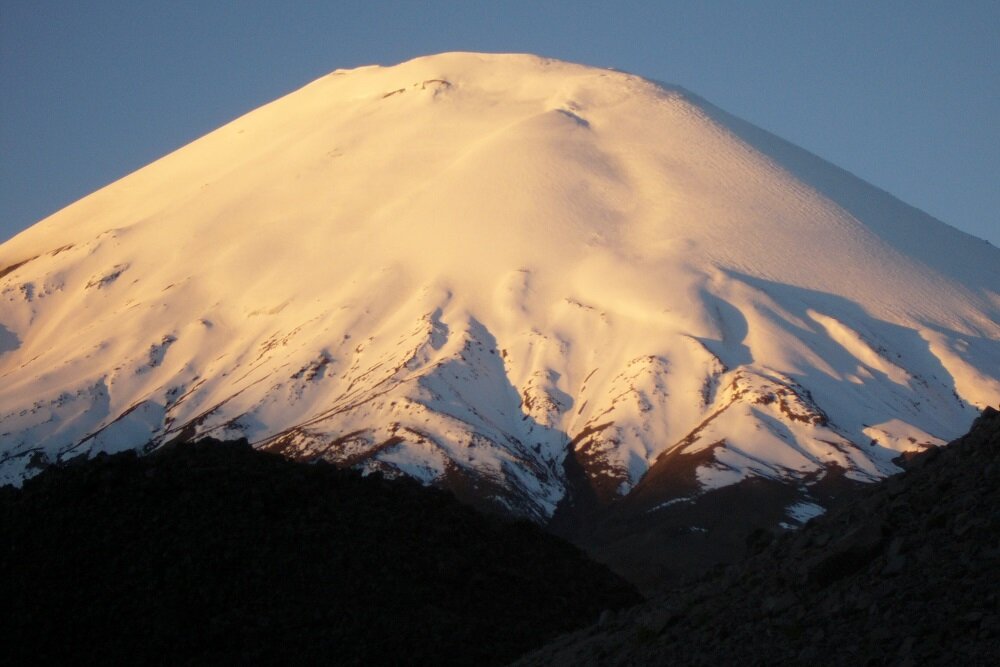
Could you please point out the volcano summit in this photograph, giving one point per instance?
(531, 282)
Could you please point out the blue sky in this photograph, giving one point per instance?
(903, 94)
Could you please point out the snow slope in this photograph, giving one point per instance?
(467, 267)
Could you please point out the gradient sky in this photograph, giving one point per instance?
(903, 94)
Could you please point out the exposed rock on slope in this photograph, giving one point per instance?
(904, 575)
(215, 554)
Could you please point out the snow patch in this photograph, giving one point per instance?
(804, 510)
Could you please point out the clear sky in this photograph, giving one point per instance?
(903, 94)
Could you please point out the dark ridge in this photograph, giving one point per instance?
(906, 573)
(213, 553)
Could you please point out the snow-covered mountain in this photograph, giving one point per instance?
(499, 274)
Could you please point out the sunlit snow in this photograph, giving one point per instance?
(457, 266)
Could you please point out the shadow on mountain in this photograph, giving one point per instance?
(8, 340)
(213, 553)
(912, 352)
(733, 329)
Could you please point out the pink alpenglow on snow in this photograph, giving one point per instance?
(467, 268)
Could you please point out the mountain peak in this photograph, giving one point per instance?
(484, 270)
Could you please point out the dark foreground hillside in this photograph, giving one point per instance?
(908, 573)
(213, 553)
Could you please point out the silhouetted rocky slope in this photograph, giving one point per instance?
(213, 553)
(906, 574)
(683, 530)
